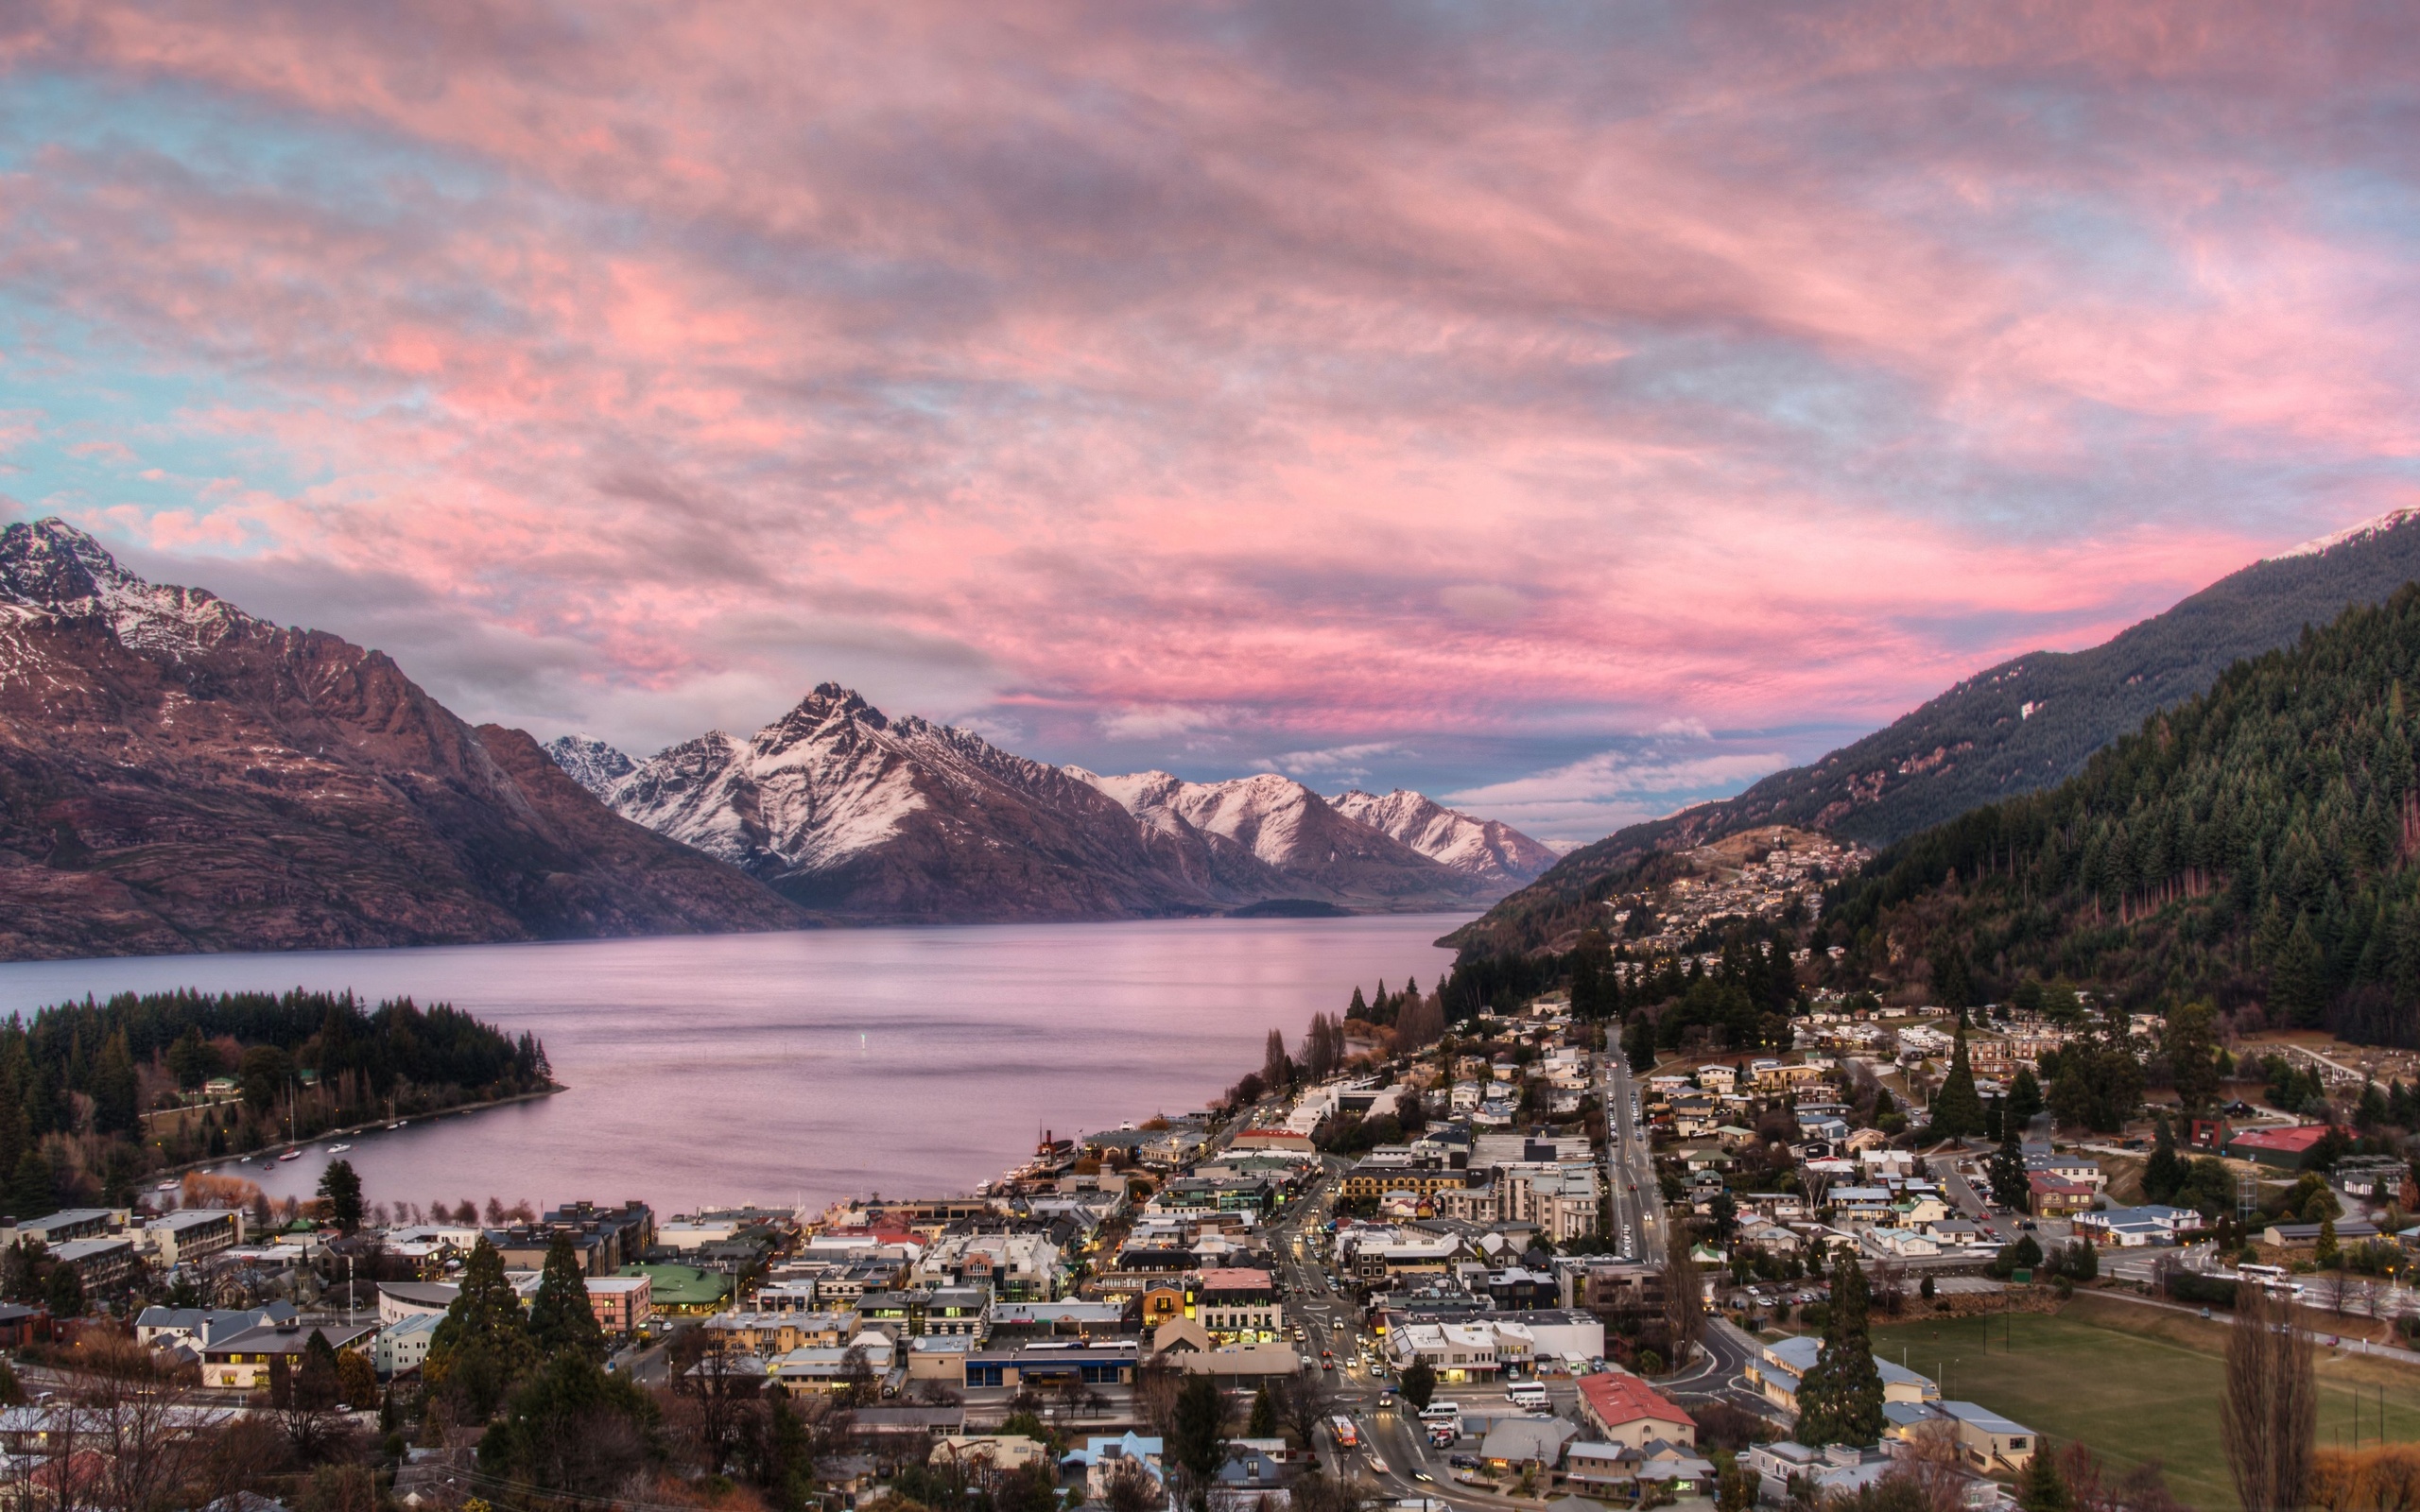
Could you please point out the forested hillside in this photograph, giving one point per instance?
(2025, 725)
(2259, 844)
(95, 1095)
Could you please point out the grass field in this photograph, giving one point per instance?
(2134, 1383)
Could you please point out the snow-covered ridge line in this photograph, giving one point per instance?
(2376, 525)
(842, 807)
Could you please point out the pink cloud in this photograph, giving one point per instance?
(1236, 368)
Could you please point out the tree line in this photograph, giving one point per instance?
(2255, 846)
(77, 1079)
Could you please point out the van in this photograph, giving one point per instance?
(1527, 1396)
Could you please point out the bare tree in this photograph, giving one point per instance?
(713, 1382)
(2339, 1288)
(1130, 1487)
(2269, 1415)
(1303, 1404)
(129, 1430)
(1684, 1296)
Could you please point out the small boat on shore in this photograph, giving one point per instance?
(167, 1186)
(399, 1122)
(339, 1149)
(291, 1154)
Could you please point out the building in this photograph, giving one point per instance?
(1989, 1442)
(192, 1233)
(620, 1302)
(1238, 1306)
(240, 1362)
(1629, 1412)
(1100, 1362)
(166, 1328)
(60, 1228)
(2058, 1197)
(398, 1301)
(403, 1346)
(2283, 1148)
(99, 1264)
(1777, 1368)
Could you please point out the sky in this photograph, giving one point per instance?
(1570, 410)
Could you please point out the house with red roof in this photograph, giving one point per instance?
(1627, 1411)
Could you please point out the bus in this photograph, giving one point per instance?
(1527, 1396)
(1347, 1437)
(2274, 1280)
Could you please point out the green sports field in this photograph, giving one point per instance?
(2134, 1383)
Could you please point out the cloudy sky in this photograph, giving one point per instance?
(1578, 409)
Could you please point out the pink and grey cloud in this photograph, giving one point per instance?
(1188, 384)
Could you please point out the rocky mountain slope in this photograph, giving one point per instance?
(1497, 854)
(846, 810)
(177, 775)
(2023, 726)
(589, 762)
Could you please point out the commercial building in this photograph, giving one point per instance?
(621, 1303)
(403, 1346)
(240, 1362)
(1629, 1412)
(193, 1233)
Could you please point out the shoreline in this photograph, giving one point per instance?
(272, 1152)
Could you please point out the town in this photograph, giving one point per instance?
(1510, 1263)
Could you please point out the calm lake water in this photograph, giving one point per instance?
(804, 1067)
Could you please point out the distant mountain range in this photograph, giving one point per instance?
(849, 811)
(177, 775)
(2023, 726)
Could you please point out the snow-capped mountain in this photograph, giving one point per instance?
(177, 775)
(1491, 851)
(589, 762)
(1289, 829)
(841, 808)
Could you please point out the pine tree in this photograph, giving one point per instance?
(2041, 1489)
(1839, 1398)
(2024, 1099)
(2165, 1171)
(1957, 1109)
(480, 1347)
(33, 1189)
(116, 1093)
(2009, 1188)
(560, 1317)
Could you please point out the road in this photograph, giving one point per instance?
(1638, 1205)
(1969, 1199)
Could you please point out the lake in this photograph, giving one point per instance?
(796, 1068)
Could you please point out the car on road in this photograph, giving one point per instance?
(1462, 1461)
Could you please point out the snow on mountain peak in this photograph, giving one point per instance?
(2376, 525)
(1479, 848)
(591, 762)
(52, 566)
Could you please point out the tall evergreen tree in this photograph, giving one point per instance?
(480, 1347)
(1957, 1109)
(2024, 1099)
(116, 1094)
(560, 1318)
(1839, 1398)
(2165, 1171)
(341, 1186)
(2009, 1187)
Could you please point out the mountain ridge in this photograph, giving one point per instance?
(2021, 727)
(846, 809)
(177, 775)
